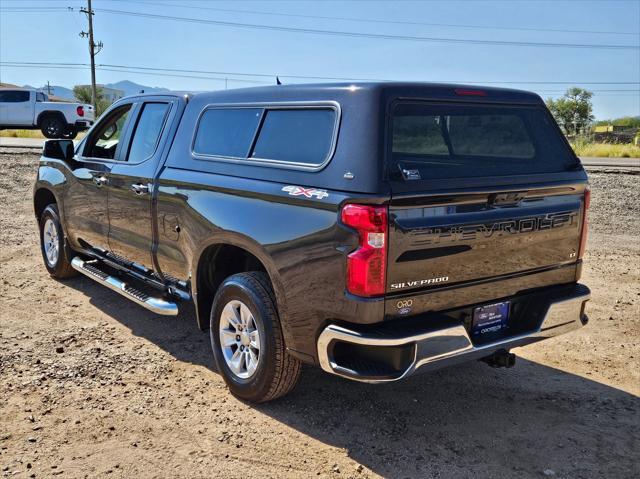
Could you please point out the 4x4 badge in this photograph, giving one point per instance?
(306, 192)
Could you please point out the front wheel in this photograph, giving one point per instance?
(52, 245)
(247, 340)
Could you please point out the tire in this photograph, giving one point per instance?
(52, 126)
(56, 256)
(70, 133)
(277, 372)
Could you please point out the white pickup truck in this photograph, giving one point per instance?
(31, 110)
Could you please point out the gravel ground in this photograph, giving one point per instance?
(92, 385)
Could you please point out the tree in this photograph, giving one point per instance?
(573, 111)
(83, 95)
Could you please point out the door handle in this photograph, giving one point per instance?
(100, 180)
(140, 189)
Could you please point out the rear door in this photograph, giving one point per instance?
(131, 183)
(482, 193)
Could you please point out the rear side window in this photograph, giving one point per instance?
(227, 132)
(147, 133)
(296, 136)
(456, 141)
(14, 96)
(300, 136)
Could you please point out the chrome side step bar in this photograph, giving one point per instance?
(157, 305)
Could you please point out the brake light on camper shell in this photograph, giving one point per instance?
(366, 266)
(585, 223)
(80, 110)
(467, 92)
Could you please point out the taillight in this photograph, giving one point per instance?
(467, 92)
(366, 266)
(80, 110)
(585, 223)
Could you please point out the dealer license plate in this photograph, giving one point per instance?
(490, 318)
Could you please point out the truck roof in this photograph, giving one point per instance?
(337, 91)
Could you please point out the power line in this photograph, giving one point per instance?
(309, 77)
(85, 67)
(369, 1)
(378, 36)
(56, 67)
(174, 75)
(205, 75)
(269, 75)
(304, 77)
(40, 9)
(34, 9)
(378, 21)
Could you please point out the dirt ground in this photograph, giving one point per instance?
(91, 385)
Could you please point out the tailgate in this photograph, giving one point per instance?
(455, 240)
(486, 203)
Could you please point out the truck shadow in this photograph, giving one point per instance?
(464, 421)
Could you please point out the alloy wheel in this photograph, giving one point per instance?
(50, 242)
(239, 339)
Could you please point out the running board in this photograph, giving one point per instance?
(157, 305)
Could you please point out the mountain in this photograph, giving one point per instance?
(60, 92)
(132, 88)
(56, 90)
(128, 87)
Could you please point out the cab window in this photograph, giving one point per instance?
(104, 141)
(14, 96)
(147, 131)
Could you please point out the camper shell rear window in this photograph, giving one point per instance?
(475, 140)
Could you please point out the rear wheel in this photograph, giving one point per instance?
(247, 340)
(52, 126)
(56, 256)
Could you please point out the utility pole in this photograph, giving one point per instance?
(94, 49)
(48, 88)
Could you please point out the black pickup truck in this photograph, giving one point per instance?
(373, 229)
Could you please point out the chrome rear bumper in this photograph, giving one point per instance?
(433, 349)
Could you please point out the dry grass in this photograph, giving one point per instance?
(31, 134)
(606, 150)
(21, 134)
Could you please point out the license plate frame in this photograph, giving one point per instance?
(490, 318)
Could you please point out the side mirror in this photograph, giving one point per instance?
(58, 149)
(109, 132)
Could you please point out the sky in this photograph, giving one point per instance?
(238, 37)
